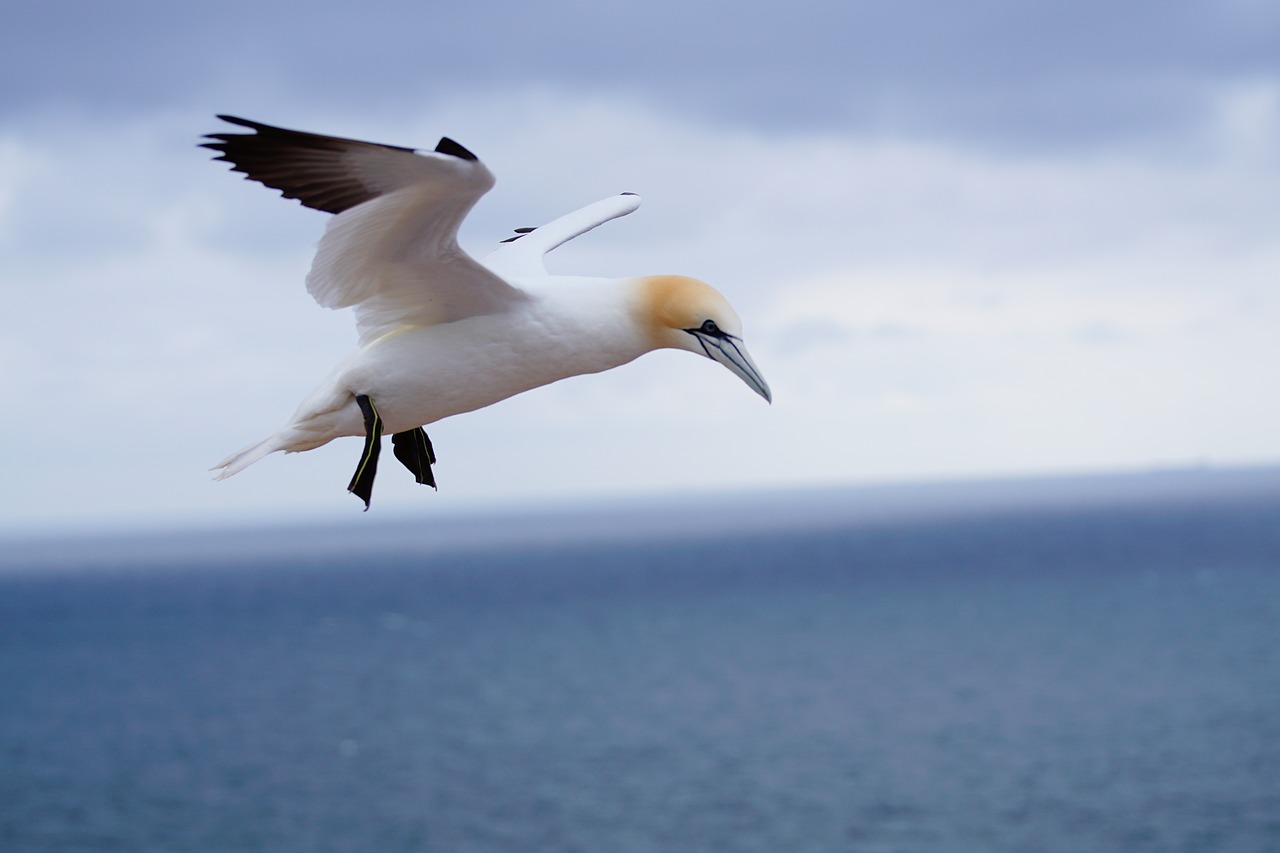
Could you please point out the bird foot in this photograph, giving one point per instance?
(413, 449)
(361, 484)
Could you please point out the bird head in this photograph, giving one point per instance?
(684, 313)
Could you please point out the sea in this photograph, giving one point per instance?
(1064, 664)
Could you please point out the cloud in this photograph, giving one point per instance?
(1003, 72)
(922, 306)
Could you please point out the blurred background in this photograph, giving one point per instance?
(974, 240)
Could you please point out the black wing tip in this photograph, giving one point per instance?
(259, 128)
(444, 146)
(302, 165)
(256, 126)
(307, 139)
(520, 232)
(219, 141)
(453, 149)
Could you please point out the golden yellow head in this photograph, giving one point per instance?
(683, 313)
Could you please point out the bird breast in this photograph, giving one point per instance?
(419, 374)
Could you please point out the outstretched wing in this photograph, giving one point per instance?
(391, 250)
(329, 173)
(523, 255)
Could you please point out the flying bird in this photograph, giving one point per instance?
(441, 333)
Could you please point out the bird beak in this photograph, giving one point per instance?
(729, 351)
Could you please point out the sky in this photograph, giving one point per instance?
(991, 239)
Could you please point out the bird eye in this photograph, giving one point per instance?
(710, 328)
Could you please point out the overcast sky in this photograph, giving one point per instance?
(966, 240)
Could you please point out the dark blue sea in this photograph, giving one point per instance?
(1076, 665)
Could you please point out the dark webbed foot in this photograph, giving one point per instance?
(413, 448)
(361, 484)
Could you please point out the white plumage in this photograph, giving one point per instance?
(440, 333)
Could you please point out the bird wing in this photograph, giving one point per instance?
(524, 254)
(391, 250)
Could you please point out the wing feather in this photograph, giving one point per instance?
(329, 173)
(524, 254)
(391, 250)
(396, 260)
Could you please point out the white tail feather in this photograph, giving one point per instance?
(241, 459)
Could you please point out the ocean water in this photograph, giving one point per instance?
(1006, 675)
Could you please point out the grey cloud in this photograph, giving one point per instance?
(997, 70)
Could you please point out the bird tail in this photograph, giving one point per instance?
(241, 459)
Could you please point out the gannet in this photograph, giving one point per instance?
(441, 333)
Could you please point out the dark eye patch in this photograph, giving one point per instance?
(709, 327)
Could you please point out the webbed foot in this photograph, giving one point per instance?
(361, 484)
(413, 449)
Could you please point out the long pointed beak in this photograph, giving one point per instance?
(729, 351)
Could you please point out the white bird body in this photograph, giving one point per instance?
(441, 334)
(422, 374)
